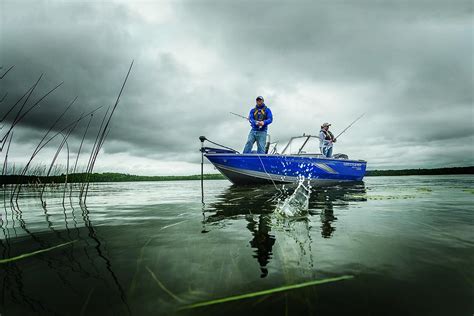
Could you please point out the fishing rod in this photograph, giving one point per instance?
(245, 118)
(349, 126)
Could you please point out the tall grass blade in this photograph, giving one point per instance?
(26, 255)
(267, 292)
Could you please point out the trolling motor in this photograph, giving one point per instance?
(202, 139)
(211, 150)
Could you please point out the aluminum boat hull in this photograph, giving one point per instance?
(245, 169)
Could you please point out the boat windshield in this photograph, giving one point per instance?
(302, 145)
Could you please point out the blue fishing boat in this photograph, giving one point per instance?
(284, 167)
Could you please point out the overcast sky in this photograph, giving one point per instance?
(407, 64)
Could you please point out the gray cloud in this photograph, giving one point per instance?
(407, 64)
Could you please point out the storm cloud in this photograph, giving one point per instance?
(407, 64)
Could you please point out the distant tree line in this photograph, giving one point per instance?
(122, 177)
(414, 172)
(99, 177)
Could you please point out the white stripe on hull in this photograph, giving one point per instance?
(268, 176)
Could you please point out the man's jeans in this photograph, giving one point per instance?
(260, 138)
(326, 151)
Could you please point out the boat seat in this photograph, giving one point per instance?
(340, 156)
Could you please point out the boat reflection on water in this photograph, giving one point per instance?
(327, 218)
(256, 205)
(262, 240)
(324, 200)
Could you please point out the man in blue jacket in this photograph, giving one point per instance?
(259, 117)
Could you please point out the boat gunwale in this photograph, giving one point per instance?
(291, 156)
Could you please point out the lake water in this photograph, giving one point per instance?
(402, 245)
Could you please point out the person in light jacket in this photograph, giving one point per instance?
(326, 140)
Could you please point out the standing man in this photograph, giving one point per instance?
(326, 140)
(259, 117)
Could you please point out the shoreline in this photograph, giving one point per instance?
(122, 177)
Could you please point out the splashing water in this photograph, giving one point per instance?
(297, 203)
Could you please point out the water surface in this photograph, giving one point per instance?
(151, 247)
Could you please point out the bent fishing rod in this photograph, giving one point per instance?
(349, 126)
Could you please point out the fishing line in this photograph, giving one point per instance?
(268, 175)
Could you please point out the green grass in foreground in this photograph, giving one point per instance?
(267, 292)
(26, 255)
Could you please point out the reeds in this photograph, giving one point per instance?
(6, 72)
(266, 292)
(29, 254)
(104, 133)
(163, 287)
(33, 173)
(19, 110)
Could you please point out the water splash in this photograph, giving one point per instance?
(297, 203)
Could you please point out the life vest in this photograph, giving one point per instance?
(260, 114)
(328, 135)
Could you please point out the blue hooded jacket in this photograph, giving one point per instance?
(266, 122)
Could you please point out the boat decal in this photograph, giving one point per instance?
(353, 164)
(257, 174)
(325, 167)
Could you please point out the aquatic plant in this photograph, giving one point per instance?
(162, 286)
(26, 255)
(20, 109)
(267, 292)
